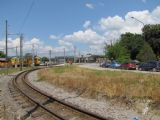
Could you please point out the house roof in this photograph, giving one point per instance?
(2, 59)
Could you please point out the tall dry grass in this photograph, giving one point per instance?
(109, 83)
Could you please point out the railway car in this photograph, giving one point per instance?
(37, 60)
(4, 63)
(15, 61)
(26, 61)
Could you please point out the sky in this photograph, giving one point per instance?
(72, 25)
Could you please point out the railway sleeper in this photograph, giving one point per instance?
(17, 99)
(66, 113)
(48, 101)
(32, 109)
(28, 113)
(21, 102)
(26, 105)
(13, 91)
(38, 113)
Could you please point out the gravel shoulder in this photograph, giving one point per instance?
(108, 108)
(9, 108)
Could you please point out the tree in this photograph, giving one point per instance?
(44, 59)
(133, 43)
(151, 34)
(146, 53)
(2, 55)
(117, 52)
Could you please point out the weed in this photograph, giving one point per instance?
(110, 83)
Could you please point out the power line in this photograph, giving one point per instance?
(2, 32)
(27, 15)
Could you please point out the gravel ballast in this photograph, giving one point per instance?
(9, 109)
(107, 109)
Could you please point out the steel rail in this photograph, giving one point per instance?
(62, 102)
(86, 112)
(34, 101)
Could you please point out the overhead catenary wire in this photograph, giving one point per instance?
(27, 15)
(2, 32)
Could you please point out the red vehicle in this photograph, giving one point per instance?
(128, 66)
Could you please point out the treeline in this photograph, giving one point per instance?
(2, 55)
(143, 47)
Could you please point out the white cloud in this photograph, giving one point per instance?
(127, 24)
(65, 44)
(109, 29)
(40, 48)
(156, 14)
(87, 24)
(111, 36)
(89, 5)
(144, 16)
(54, 37)
(11, 45)
(115, 22)
(89, 37)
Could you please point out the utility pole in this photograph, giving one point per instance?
(16, 57)
(6, 39)
(32, 55)
(111, 43)
(7, 45)
(21, 52)
(79, 57)
(36, 50)
(16, 51)
(55, 59)
(74, 54)
(50, 57)
(64, 56)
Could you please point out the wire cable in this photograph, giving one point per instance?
(27, 15)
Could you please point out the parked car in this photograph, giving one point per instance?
(114, 64)
(128, 66)
(151, 65)
(105, 64)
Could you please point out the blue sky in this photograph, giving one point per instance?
(86, 24)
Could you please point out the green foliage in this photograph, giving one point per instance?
(151, 34)
(146, 53)
(44, 59)
(2, 55)
(118, 52)
(133, 46)
(133, 43)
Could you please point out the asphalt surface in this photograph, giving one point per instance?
(96, 66)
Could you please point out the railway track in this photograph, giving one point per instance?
(51, 108)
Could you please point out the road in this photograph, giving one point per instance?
(97, 67)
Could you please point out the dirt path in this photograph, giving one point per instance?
(9, 108)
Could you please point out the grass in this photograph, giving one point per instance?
(5, 71)
(109, 83)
